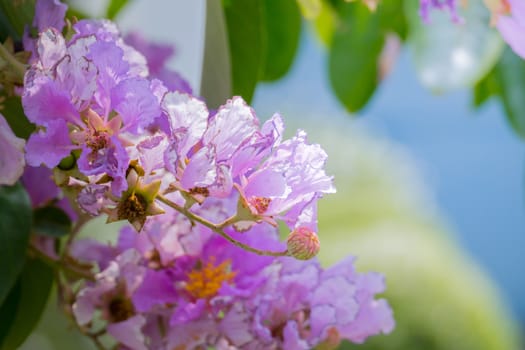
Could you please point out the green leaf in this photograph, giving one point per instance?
(511, 75)
(247, 42)
(18, 14)
(32, 291)
(283, 28)
(325, 23)
(216, 84)
(6, 29)
(310, 8)
(392, 18)
(8, 310)
(486, 88)
(15, 117)
(114, 7)
(15, 227)
(51, 221)
(354, 55)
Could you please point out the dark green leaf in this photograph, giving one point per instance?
(51, 221)
(18, 14)
(17, 120)
(283, 27)
(247, 42)
(15, 227)
(114, 7)
(8, 310)
(216, 85)
(511, 74)
(356, 48)
(6, 29)
(32, 289)
(486, 88)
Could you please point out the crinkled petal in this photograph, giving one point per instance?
(156, 289)
(12, 160)
(44, 101)
(49, 14)
(129, 332)
(135, 103)
(292, 339)
(201, 171)
(49, 147)
(188, 118)
(234, 123)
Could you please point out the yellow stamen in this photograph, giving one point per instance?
(206, 281)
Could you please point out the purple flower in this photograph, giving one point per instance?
(425, 6)
(48, 14)
(512, 26)
(85, 95)
(306, 306)
(287, 182)
(111, 293)
(43, 191)
(11, 154)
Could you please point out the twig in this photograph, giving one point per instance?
(58, 264)
(218, 228)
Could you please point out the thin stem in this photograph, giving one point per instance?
(82, 219)
(19, 67)
(58, 264)
(218, 228)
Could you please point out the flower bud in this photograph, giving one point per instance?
(303, 243)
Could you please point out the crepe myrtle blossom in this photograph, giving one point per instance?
(11, 154)
(203, 146)
(204, 291)
(511, 25)
(83, 95)
(48, 14)
(426, 6)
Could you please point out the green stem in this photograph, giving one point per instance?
(218, 228)
(19, 67)
(59, 265)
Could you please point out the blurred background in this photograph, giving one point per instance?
(430, 191)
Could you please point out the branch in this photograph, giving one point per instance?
(218, 228)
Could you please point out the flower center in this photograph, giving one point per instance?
(97, 141)
(205, 281)
(120, 309)
(260, 204)
(133, 207)
(203, 191)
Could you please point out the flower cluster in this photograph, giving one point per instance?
(132, 139)
(181, 287)
(203, 190)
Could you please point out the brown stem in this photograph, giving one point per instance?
(218, 228)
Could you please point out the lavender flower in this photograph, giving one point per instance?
(206, 292)
(511, 25)
(11, 154)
